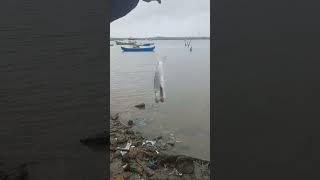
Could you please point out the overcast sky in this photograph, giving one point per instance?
(170, 18)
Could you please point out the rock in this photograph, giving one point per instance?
(115, 116)
(166, 158)
(185, 165)
(96, 140)
(129, 131)
(140, 106)
(130, 123)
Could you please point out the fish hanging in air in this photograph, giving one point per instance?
(159, 83)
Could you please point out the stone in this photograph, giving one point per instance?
(131, 132)
(115, 116)
(185, 165)
(130, 123)
(140, 106)
(166, 157)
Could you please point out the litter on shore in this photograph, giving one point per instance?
(133, 156)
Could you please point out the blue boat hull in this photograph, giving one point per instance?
(138, 49)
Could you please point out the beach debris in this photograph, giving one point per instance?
(152, 164)
(175, 172)
(126, 167)
(125, 149)
(130, 123)
(148, 141)
(140, 106)
(133, 156)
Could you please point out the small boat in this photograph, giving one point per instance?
(138, 49)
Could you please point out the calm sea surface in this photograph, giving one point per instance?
(53, 68)
(186, 111)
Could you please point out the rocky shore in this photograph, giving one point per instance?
(134, 157)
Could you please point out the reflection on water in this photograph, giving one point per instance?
(186, 109)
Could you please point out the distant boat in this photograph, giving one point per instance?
(125, 43)
(138, 49)
(148, 44)
(144, 44)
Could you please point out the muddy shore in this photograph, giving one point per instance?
(134, 157)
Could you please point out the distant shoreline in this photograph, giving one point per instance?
(164, 38)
